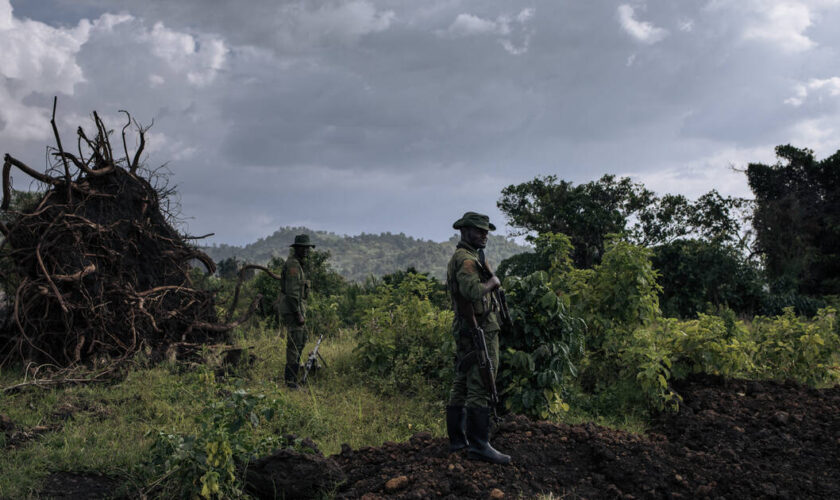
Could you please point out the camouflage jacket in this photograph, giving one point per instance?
(294, 288)
(463, 277)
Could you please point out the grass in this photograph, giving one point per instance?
(109, 428)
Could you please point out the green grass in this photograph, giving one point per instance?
(108, 426)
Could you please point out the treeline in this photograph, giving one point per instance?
(752, 256)
(358, 257)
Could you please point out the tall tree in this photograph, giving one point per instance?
(797, 220)
(586, 213)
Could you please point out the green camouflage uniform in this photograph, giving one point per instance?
(463, 277)
(295, 289)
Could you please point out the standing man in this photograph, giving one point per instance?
(468, 411)
(295, 290)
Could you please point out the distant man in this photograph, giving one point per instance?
(292, 305)
(468, 411)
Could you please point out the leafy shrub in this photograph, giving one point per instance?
(541, 351)
(695, 273)
(806, 351)
(718, 345)
(644, 369)
(615, 298)
(207, 464)
(269, 288)
(405, 342)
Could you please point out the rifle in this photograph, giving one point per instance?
(498, 294)
(312, 360)
(485, 363)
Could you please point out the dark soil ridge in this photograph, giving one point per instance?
(731, 439)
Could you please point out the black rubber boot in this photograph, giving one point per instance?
(478, 432)
(456, 424)
(290, 376)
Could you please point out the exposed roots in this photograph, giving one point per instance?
(95, 269)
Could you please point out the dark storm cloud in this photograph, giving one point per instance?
(395, 115)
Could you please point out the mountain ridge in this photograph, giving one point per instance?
(357, 257)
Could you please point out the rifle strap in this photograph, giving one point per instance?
(466, 361)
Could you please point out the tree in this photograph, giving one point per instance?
(586, 213)
(797, 221)
(696, 273)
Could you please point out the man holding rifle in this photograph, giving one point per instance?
(476, 300)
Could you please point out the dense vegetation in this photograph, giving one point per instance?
(624, 293)
(358, 257)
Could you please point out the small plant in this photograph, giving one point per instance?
(405, 341)
(206, 464)
(540, 354)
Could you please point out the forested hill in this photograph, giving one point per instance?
(356, 257)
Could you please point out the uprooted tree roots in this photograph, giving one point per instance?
(96, 270)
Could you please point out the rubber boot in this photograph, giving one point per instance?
(456, 424)
(290, 376)
(478, 432)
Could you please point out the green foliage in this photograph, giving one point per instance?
(269, 288)
(208, 464)
(586, 213)
(646, 363)
(322, 315)
(551, 254)
(781, 347)
(620, 295)
(696, 273)
(540, 353)
(589, 212)
(790, 347)
(616, 299)
(797, 221)
(405, 341)
(322, 277)
(229, 268)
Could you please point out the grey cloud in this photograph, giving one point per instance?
(384, 117)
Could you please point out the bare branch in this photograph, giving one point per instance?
(61, 150)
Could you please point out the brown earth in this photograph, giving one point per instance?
(732, 439)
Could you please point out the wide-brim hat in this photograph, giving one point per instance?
(473, 219)
(302, 240)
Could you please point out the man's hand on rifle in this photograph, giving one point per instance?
(300, 319)
(491, 284)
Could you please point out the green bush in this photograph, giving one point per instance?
(405, 341)
(790, 347)
(695, 273)
(208, 463)
(540, 352)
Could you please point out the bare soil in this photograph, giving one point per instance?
(732, 439)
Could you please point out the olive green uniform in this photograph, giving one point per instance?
(463, 277)
(295, 291)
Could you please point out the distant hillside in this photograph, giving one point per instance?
(356, 257)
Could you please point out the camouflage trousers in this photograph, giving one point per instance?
(295, 342)
(468, 388)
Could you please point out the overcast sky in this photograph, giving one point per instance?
(382, 115)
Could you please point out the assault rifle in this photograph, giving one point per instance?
(482, 355)
(498, 294)
(312, 360)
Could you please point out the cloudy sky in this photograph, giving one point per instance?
(385, 115)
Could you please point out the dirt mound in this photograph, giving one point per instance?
(733, 439)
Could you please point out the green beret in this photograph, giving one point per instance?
(302, 240)
(472, 219)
